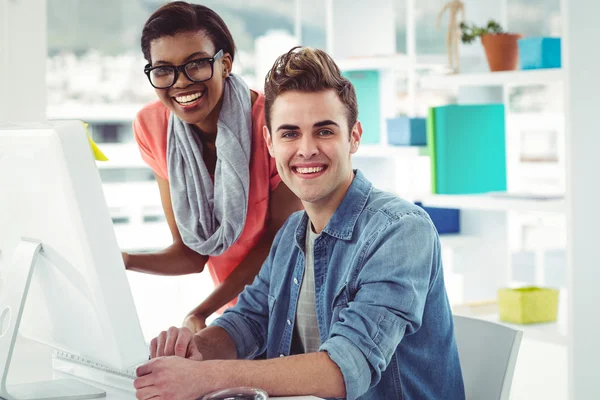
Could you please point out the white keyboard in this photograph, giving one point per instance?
(94, 371)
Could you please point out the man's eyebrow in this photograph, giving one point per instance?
(188, 58)
(288, 127)
(326, 122)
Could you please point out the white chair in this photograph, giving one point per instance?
(488, 354)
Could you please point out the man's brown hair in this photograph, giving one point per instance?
(308, 70)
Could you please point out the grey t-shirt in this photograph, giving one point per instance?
(306, 313)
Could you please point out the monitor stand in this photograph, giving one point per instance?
(17, 280)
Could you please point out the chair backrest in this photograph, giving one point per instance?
(488, 354)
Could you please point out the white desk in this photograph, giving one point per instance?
(33, 362)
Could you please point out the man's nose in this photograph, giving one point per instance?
(308, 147)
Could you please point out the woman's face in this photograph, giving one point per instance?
(196, 103)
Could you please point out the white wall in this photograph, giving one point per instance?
(23, 60)
(362, 28)
(582, 62)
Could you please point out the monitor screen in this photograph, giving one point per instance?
(79, 300)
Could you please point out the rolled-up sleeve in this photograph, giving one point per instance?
(396, 268)
(248, 321)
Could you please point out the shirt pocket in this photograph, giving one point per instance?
(340, 301)
(271, 301)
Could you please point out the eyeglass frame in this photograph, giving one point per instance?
(181, 69)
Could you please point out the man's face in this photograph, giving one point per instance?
(311, 143)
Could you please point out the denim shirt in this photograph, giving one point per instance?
(382, 308)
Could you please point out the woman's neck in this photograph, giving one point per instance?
(208, 127)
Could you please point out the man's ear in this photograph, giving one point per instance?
(268, 140)
(355, 137)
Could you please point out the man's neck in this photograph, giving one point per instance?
(321, 212)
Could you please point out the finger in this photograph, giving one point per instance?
(147, 393)
(143, 381)
(153, 346)
(183, 341)
(160, 344)
(193, 353)
(172, 336)
(144, 369)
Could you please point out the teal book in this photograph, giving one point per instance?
(366, 85)
(430, 126)
(470, 149)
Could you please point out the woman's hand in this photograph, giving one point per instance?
(194, 322)
(175, 342)
(125, 258)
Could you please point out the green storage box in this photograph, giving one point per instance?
(528, 305)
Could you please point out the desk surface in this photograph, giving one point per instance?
(33, 362)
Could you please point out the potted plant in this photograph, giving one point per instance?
(501, 48)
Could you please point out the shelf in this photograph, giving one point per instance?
(121, 155)
(494, 203)
(132, 195)
(515, 78)
(550, 332)
(394, 62)
(382, 151)
(93, 113)
(457, 240)
(143, 237)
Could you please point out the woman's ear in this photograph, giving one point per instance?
(227, 65)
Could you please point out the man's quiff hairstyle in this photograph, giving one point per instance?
(308, 70)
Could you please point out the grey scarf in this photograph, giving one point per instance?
(211, 217)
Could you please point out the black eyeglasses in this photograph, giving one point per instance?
(198, 70)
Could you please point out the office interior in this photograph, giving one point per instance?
(80, 59)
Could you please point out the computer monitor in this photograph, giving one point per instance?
(54, 221)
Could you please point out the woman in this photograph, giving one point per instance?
(220, 191)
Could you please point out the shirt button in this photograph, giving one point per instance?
(289, 322)
(296, 281)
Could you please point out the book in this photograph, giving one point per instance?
(366, 84)
(431, 148)
(469, 149)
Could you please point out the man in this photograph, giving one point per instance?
(351, 300)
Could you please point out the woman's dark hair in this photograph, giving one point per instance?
(180, 16)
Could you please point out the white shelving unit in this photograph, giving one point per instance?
(378, 151)
(549, 332)
(455, 241)
(528, 77)
(398, 62)
(495, 203)
(121, 155)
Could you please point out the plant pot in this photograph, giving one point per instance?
(501, 51)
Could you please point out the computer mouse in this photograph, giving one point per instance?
(239, 393)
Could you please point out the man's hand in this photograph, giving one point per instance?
(175, 342)
(172, 378)
(194, 322)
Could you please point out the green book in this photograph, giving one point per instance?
(470, 149)
(366, 85)
(431, 148)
